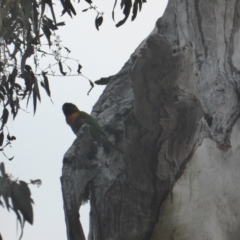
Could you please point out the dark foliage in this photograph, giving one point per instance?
(25, 26)
(126, 5)
(16, 196)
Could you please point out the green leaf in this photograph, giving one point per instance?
(11, 138)
(35, 18)
(46, 84)
(36, 94)
(98, 22)
(21, 200)
(61, 68)
(10, 159)
(5, 198)
(28, 53)
(68, 7)
(114, 10)
(127, 4)
(4, 117)
(26, 6)
(1, 138)
(135, 9)
(29, 81)
(1, 185)
(34, 101)
(49, 23)
(5, 185)
(14, 107)
(60, 24)
(2, 169)
(36, 89)
(47, 33)
(79, 68)
(12, 76)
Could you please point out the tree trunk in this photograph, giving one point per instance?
(171, 109)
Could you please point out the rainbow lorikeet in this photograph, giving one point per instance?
(76, 118)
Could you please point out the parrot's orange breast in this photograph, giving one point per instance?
(72, 118)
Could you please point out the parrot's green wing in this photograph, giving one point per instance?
(92, 122)
(97, 132)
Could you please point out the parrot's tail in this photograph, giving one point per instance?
(111, 145)
(117, 148)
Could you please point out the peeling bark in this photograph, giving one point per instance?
(175, 98)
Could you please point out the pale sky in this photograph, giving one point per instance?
(42, 140)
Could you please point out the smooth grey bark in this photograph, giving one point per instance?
(175, 100)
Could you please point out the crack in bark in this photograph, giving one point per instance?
(199, 21)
